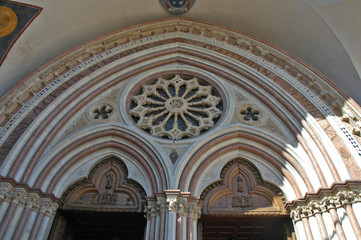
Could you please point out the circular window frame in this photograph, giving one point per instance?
(136, 88)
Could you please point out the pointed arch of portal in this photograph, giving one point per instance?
(311, 125)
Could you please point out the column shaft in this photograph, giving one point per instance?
(354, 223)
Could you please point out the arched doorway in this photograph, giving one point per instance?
(243, 206)
(106, 205)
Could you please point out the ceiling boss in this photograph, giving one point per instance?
(177, 6)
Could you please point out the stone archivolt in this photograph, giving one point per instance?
(68, 67)
(176, 107)
(326, 199)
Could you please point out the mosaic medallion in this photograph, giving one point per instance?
(177, 107)
(177, 6)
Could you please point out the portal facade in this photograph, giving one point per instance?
(204, 132)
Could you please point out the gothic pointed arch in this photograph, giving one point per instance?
(242, 191)
(107, 188)
(175, 100)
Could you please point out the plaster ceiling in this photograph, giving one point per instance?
(324, 33)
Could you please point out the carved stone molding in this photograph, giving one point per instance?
(175, 202)
(354, 120)
(325, 199)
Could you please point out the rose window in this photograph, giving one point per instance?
(176, 107)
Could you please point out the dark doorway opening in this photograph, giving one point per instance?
(94, 225)
(247, 227)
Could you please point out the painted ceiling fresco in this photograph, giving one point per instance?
(14, 19)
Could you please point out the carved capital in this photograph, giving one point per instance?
(33, 202)
(151, 209)
(18, 196)
(324, 201)
(193, 211)
(48, 207)
(162, 204)
(5, 191)
(175, 203)
(172, 203)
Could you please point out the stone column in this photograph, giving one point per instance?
(151, 213)
(176, 213)
(13, 213)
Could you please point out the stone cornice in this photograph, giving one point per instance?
(337, 196)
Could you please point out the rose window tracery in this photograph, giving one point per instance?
(177, 107)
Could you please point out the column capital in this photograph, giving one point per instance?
(324, 200)
(5, 191)
(173, 201)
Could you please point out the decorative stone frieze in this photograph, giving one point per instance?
(174, 203)
(326, 199)
(24, 196)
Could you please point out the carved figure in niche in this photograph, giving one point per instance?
(109, 180)
(240, 180)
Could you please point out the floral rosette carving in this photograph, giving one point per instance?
(176, 108)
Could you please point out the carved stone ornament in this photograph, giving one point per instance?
(251, 114)
(174, 204)
(177, 6)
(107, 188)
(352, 119)
(22, 197)
(100, 112)
(323, 201)
(242, 191)
(176, 108)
